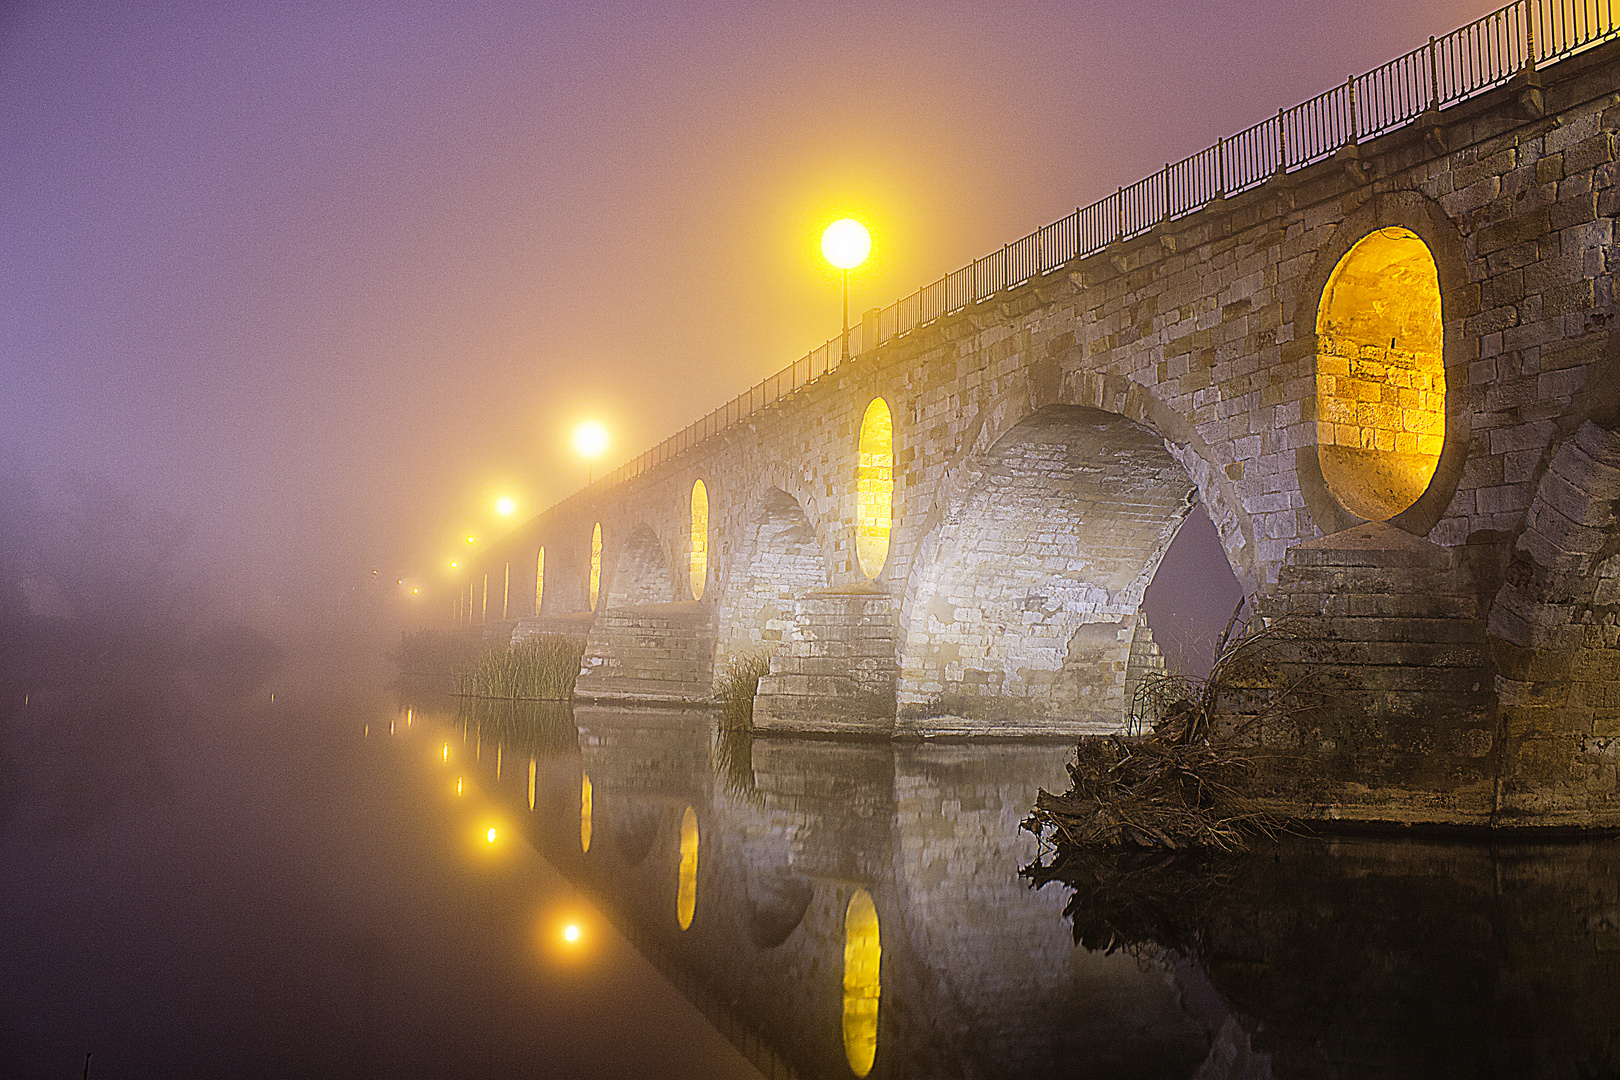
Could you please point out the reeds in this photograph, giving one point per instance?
(737, 688)
(539, 669)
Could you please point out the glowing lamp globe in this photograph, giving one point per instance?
(505, 505)
(846, 243)
(590, 439)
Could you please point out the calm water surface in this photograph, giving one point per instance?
(384, 889)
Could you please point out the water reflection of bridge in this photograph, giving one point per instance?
(979, 974)
(1316, 960)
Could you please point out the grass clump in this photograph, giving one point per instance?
(540, 668)
(738, 687)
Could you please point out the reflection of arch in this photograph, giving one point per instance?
(776, 906)
(539, 578)
(863, 953)
(1023, 616)
(640, 572)
(777, 559)
(686, 874)
(585, 810)
(632, 832)
(1380, 378)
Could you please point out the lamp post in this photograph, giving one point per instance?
(590, 439)
(846, 243)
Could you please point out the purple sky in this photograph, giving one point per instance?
(326, 277)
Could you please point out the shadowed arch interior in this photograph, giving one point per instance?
(777, 560)
(641, 572)
(1027, 610)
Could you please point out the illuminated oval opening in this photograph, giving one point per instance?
(874, 488)
(862, 956)
(596, 563)
(686, 879)
(539, 579)
(506, 592)
(1380, 377)
(698, 571)
(532, 767)
(584, 812)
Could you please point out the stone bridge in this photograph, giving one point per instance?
(1389, 377)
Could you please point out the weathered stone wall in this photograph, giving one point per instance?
(1203, 332)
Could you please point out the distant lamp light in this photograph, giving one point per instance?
(416, 592)
(505, 506)
(572, 933)
(472, 539)
(489, 837)
(454, 565)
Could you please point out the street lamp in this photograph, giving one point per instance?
(846, 243)
(590, 439)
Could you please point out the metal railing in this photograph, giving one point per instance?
(1480, 56)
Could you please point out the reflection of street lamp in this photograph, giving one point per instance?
(590, 439)
(846, 243)
(505, 505)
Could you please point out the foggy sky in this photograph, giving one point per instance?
(324, 278)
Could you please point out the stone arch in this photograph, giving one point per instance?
(567, 571)
(1418, 214)
(697, 555)
(1022, 617)
(777, 559)
(1380, 385)
(874, 488)
(641, 571)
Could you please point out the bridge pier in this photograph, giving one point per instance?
(651, 653)
(837, 671)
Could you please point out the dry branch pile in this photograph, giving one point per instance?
(1181, 786)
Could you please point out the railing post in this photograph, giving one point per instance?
(1434, 81)
(1282, 145)
(1220, 168)
(1350, 88)
(1529, 35)
(1119, 214)
(1165, 216)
